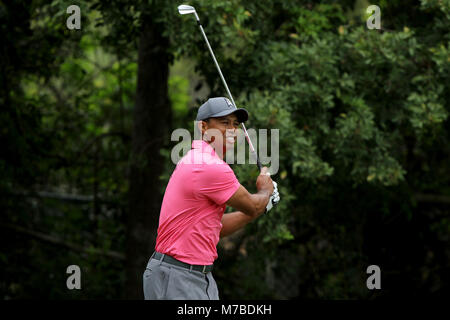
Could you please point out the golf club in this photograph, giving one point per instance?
(185, 9)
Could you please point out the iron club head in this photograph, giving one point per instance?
(185, 9)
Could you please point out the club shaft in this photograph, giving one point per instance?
(252, 149)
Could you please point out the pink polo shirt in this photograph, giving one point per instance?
(193, 205)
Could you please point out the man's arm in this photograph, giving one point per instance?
(250, 206)
(233, 221)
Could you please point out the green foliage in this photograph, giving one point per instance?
(354, 108)
(313, 23)
(363, 119)
(67, 117)
(179, 96)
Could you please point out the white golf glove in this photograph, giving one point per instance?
(274, 198)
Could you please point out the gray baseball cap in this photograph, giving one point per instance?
(219, 107)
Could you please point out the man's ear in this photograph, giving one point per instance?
(201, 127)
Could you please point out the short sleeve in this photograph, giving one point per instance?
(217, 182)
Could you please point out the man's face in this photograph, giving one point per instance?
(225, 126)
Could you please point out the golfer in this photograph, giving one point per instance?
(192, 212)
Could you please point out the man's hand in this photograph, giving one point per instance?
(264, 182)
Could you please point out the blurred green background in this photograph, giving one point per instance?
(86, 118)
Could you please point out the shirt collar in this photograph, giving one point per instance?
(203, 146)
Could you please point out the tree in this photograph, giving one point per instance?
(361, 113)
(151, 127)
(364, 134)
(150, 133)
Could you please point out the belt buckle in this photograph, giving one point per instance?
(204, 268)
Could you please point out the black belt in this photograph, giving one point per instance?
(175, 262)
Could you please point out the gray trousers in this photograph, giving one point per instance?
(164, 281)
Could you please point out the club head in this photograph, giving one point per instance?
(185, 9)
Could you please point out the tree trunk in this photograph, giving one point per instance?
(150, 133)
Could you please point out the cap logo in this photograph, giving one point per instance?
(230, 105)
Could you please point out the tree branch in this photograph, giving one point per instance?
(61, 196)
(60, 242)
(95, 139)
(432, 198)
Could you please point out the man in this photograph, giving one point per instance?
(191, 218)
